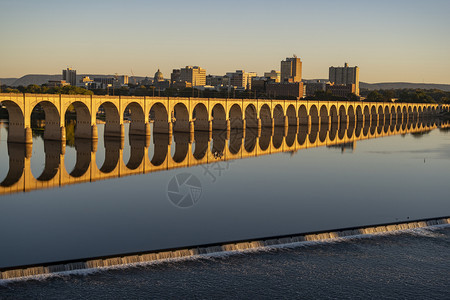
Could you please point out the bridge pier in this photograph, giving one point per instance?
(147, 129)
(94, 132)
(28, 136)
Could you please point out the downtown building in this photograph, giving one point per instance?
(345, 76)
(291, 85)
(70, 76)
(241, 79)
(291, 69)
(196, 76)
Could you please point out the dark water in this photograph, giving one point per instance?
(410, 265)
(388, 179)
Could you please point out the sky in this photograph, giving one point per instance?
(390, 41)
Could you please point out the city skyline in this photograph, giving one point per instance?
(384, 39)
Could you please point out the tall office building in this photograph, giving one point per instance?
(194, 75)
(345, 75)
(241, 79)
(291, 69)
(70, 76)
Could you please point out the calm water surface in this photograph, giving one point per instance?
(388, 179)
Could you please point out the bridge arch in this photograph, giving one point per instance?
(136, 114)
(333, 114)
(201, 117)
(359, 114)
(380, 114)
(219, 117)
(367, 113)
(159, 116)
(113, 124)
(278, 116)
(393, 114)
(235, 116)
(291, 115)
(342, 114)
(16, 121)
(314, 114)
(251, 116)
(181, 116)
(386, 115)
(83, 126)
(324, 116)
(351, 115)
(409, 111)
(52, 127)
(265, 116)
(373, 113)
(303, 115)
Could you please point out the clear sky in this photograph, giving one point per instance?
(395, 40)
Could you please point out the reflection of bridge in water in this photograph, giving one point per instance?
(189, 149)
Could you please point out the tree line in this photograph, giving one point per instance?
(44, 89)
(408, 96)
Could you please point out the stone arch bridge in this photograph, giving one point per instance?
(192, 114)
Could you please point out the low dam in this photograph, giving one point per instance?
(228, 247)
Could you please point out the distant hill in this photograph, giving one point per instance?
(43, 78)
(403, 85)
(35, 79)
(7, 81)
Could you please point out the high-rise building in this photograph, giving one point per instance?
(291, 69)
(194, 75)
(241, 79)
(175, 76)
(123, 79)
(345, 75)
(70, 76)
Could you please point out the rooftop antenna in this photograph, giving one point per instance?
(134, 77)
